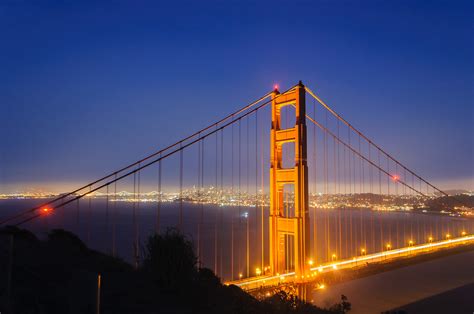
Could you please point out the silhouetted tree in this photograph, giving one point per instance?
(170, 260)
(343, 307)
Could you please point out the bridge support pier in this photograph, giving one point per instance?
(289, 234)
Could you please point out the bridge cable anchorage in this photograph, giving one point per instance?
(72, 193)
(246, 111)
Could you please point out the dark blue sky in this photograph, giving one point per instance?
(87, 87)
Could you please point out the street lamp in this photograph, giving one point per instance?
(258, 271)
(389, 246)
(310, 262)
(448, 236)
(463, 233)
(333, 257)
(240, 276)
(410, 243)
(362, 251)
(430, 239)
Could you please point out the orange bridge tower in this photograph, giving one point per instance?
(289, 232)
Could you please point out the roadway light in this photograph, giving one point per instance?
(333, 256)
(240, 276)
(410, 243)
(430, 239)
(463, 233)
(310, 262)
(389, 246)
(258, 271)
(448, 236)
(362, 251)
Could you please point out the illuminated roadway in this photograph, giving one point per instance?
(269, 281)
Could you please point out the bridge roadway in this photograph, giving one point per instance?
(253, 283)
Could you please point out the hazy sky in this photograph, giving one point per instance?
(86, 87)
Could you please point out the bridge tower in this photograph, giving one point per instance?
(289, 235)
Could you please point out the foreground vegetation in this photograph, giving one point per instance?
(59, 275)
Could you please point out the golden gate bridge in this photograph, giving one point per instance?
(278, 191)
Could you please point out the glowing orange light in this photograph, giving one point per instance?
(395, 177)
(46, 210)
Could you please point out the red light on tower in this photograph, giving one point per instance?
(395, 177)
(275, 87)
(45, 210)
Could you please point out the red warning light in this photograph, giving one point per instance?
(275, 87)
(395, 177)
(46, 210)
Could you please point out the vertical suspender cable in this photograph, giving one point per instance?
(107, 227)
(137, 235)
(339, 190)
(232, 206)
(256, 176)
(216, 195)
(89, 218)
(239, 226)
(221, 198)
(114, 219)
(160, 195)
(201, 216)
(246, 198)
(134, 219)
(315, 191)
(200, 203)
(180, 223)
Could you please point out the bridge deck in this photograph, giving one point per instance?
(269, 281)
